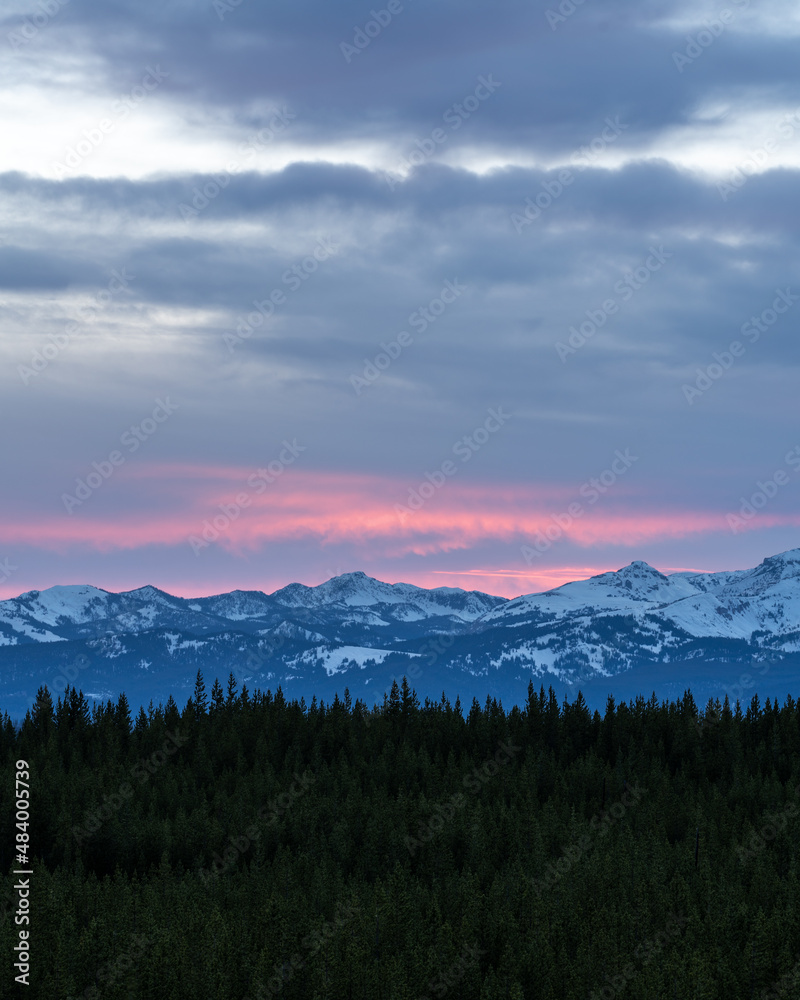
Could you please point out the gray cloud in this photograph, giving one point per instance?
(196, 278)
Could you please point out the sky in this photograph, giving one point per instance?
(491, 295)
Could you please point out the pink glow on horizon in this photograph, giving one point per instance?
(359, 512)
(500, 582)
(295, 518)
(510, 582)
(332, 508)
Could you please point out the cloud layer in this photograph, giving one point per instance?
(366, 235)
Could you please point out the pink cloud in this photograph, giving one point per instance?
(174, 502)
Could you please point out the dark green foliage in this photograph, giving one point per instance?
(252, 847)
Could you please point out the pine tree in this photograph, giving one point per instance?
(217, 697)
(199, 699)
(43, 715)
(142, 722)
(172, 716)
(394, 701)
(122, 720)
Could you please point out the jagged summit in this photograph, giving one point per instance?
(638, 581)
(357, 590)
(777, 572)
(149, 593)
(79, 610)
(787, 564)
(639, 567)
(732, 604)
(353, 588)
(629, 619)
(635, 575)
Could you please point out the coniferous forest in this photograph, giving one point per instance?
(248, 847)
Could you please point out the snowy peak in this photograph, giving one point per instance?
(629, 619)
(353, 602)
(151, 595)
(790, 558)
(725, 605)
(358, 609)
(638, 580)
(401, 601)
(640, 570)
(353, 589)
(633, 585)
(295, 595)
(78, 602)
(238, 605)
(772, 571)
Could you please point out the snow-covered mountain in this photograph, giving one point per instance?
(725, 605)
(359, 632)
(353, 600)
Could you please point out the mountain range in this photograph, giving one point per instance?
(629, 632)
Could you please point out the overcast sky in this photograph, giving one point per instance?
(489, 295)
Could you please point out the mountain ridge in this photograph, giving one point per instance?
(359, 631)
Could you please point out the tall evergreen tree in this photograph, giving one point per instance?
(199, 699)
(231, 690)
(217, 696)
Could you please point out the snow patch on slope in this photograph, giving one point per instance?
(335, 659)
